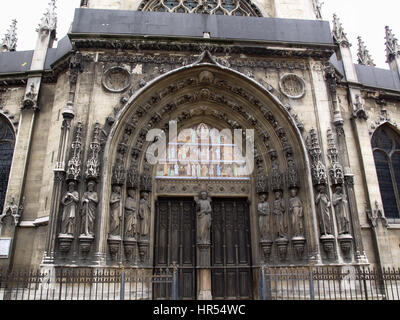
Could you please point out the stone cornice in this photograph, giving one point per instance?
(293, 50)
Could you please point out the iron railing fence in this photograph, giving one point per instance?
(90, 284)
(329, 283)
(275, 283)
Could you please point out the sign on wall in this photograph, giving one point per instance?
(5, 244)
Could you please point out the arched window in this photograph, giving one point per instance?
(7, 141)
(386, 147)
(218, 7)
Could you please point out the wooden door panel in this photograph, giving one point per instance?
(174, 242)
(231, 255)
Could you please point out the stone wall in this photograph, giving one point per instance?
(94, 103)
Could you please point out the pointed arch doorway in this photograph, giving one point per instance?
(204, 163)
(231, 264)
(208, 93)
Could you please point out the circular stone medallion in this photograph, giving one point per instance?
(116, 79)
(292, 86)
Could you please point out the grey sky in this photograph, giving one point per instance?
(366, 18)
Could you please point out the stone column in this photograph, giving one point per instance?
(203, 212)
(46, 36)
(357, 111)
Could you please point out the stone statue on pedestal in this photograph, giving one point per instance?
(340, 204)
(279, 212)
(203, 210)
(264, 214)
(144, 215)
(130, 215)
(70, 202)
(296, 211)
(88, 211)
(115, 212)
(323, 208)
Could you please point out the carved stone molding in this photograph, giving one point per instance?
(318, 169)
(336, 172)
(201, 95)
(194, 186)
(377, 215)
(338, 33)
(13, 210)
(30, 99)
(358, 109)
(392, 45)
(383, 118)
(328, 244)
(125, 44)
(116, 79)
(75, 162)
(93, 163)
(292, 86)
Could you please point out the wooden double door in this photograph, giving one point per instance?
(175, 241)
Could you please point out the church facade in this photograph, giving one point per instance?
(211, 135)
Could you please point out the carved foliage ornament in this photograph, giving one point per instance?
(318, 169)
(392, 45)
(93, 162)
(9, 42)
(49, 19)
(338, 33)
(317, 9)
(74, 164)
(363, 54)
(383, 118)
(336, 169)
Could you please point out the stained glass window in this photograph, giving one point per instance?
(385, 143)
(204, 152)
(7, 141)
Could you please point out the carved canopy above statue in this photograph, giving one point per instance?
(221, 7)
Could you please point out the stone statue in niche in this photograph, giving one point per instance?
(115, 211)
(70, 202)
(144, 215)
(88, 211)
(264, 214)
(340, 204)
(323, 207)
(279, 213)
(296, 211)
(203, 209)
(130, 215)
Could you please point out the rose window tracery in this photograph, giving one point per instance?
(218, 7)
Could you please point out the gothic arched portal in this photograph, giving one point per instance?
(206, 93)
(7, 142)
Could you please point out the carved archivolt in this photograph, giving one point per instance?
(221, 7)
(204, 91)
